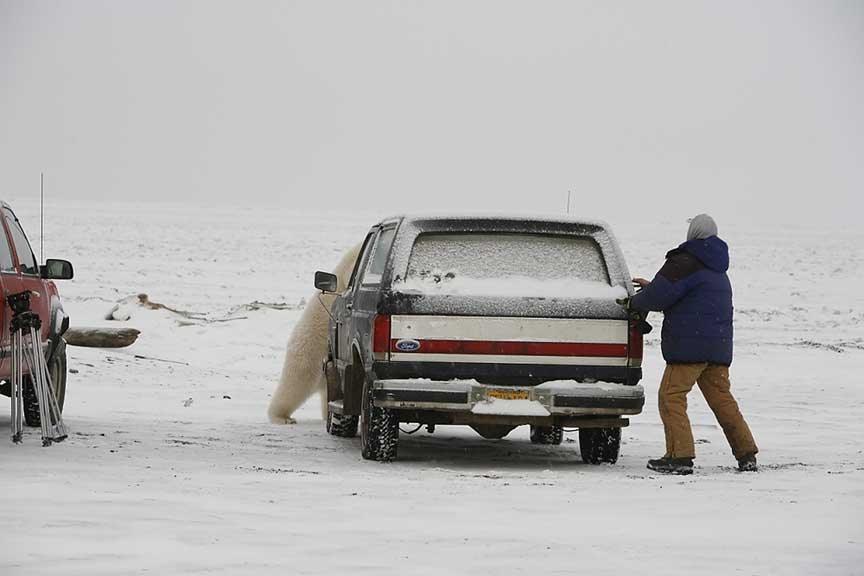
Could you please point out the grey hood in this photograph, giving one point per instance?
(701, 227)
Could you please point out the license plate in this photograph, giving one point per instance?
(504, 394)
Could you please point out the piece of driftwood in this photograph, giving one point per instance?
(101, 337)
(121, 310)
(142, 357)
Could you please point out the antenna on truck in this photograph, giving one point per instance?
(569, 195)
(42, 216)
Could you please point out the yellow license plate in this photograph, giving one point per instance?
(508, 394)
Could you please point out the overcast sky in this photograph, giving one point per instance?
(645, 108)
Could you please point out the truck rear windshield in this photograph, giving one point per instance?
(499, 256)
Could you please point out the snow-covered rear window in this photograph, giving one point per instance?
(499, 256)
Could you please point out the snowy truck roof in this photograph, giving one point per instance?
(491, 217)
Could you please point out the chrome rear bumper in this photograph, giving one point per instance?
(559, 398)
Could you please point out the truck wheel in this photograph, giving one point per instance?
(379, 429)
(547, 435)
(343, 426)
(492, 431)
(599, 445)
(57, 369)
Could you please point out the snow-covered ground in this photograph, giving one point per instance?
(171, 466)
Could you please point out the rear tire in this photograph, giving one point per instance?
(379, 429)
(343, 426)
(57, 369)
(552, 435)
(599, 445)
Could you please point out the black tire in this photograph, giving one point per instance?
(552, 435)
(599, 445)
(343, 426)
(379, 429)
(57, 369)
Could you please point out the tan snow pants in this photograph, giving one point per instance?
(713, 380)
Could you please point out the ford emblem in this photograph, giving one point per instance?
(407, 345)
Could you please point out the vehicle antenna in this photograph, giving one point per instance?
(569, 194)
(321, 301)
(42, 216)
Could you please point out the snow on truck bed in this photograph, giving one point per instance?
(171, 467)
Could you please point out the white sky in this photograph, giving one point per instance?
(742, 109)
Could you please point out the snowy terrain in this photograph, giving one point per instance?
(171, 466)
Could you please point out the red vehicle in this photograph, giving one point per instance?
(19, 272)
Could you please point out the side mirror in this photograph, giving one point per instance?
(57, 270)
(326, 282)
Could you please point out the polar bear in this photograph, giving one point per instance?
(302, 373)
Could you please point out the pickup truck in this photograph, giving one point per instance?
(490, 322)
(19, 272)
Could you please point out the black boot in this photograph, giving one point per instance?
(747, 463)
(668, 465)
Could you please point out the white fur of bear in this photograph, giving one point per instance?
(302, 373)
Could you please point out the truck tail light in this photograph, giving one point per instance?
(381, 337)
(635, 345)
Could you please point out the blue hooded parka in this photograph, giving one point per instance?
(694, 292)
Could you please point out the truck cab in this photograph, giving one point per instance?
(20, 272)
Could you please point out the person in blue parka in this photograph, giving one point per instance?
(695, 295)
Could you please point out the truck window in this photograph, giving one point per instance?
(378, 259)
(361, 257)
(22, 246)
(493, 256)
(6, 262)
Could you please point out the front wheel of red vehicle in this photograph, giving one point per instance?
(379, 429)
(57, 369)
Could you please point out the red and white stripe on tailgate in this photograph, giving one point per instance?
(474, 339)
